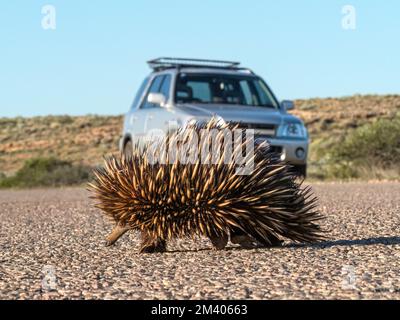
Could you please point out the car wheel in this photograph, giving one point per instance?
(301, 170)
(128, 149)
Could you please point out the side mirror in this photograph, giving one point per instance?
(157, 98)
(287, 105)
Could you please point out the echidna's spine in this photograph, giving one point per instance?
(166, 201)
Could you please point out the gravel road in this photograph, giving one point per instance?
(52, 247)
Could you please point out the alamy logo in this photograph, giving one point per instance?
(349, 277)
(49, 17)
(49, 278)
(349, 17)
(208, 146)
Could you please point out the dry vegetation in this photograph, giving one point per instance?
(83, 140)
(331, 121)
(80, 140)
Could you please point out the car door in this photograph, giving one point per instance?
(133, 124)
(159, 117)
(144, 115)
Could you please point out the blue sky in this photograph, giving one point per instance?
(95, 59)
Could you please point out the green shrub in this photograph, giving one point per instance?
(47, 172)
(366, 150)
(378, 142)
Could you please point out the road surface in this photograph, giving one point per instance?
(52, 247)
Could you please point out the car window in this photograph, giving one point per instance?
(200, 90)
(165, 86)
(223, 89)
(263, 92)
(139, 93)
(244, 85)
(154, 88)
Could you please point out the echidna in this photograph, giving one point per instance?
(205, 196)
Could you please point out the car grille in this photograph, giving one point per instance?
(276, 149)
(260, 129)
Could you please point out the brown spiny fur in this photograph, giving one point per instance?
(166, 201)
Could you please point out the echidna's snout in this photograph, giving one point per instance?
(115, 234)
(108, 243)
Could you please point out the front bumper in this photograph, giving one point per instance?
(294, 151)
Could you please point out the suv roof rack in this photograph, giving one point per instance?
(168, 63)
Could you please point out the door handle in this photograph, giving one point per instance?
(150, 116)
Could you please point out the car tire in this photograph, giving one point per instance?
(128, 149)
(301, 170)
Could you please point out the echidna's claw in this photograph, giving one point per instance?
(152, 244)
(276, 243)
(157, 246)
(152, 249)
(273, 242)
(219, 242)
(244, 241)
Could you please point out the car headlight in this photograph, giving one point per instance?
(292, 130)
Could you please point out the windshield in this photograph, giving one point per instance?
(223, 89)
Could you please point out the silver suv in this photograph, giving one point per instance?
(182, 91)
